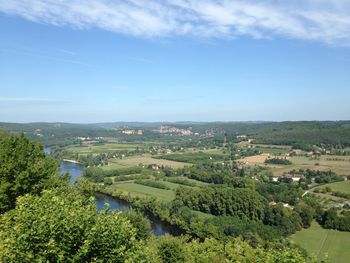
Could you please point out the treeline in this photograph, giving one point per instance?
(320, 177)
(67, 221)
(97, 174)
(335, 219)
(279, 161)
(304, 133)
(198, 157)
(219, 200)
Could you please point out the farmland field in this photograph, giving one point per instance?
(319, 242)
(256, 159)
(143, 191)
(272, 150)
(323, 163)
(145, 160)
(338, 164)
(195, 157)
(101, 148)
(343, 186)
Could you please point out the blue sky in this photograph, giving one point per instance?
(174, 60)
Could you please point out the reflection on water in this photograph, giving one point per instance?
(74, 169)
(159, 227)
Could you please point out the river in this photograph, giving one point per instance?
(159, 227)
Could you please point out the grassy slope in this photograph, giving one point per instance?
(144, 191)
(319, 242)
(145, 160)
(101, 148)
(299, 162)
(343, 186)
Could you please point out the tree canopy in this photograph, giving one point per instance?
(24, 169)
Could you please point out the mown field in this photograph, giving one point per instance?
(195, 157)
(338, 164)
(101, 148)
(320, 242)
(143, 191)
(273, 150)
(343, 186)
(139, 190)
(323, 163)
(144, 160)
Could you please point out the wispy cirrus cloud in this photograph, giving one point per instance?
(326, 21)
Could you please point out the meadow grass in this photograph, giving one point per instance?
(343, 186)
(143, 191)
(319, 242)
(322, 164)
(145, 160)
(272, 150)
(101, 148)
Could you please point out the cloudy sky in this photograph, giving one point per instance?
(170, 60)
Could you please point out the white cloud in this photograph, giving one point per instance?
(326, 21)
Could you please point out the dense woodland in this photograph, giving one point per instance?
(307, 133)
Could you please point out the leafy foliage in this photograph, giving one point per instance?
(24, 169)
(63, 226)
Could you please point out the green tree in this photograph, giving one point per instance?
(64, 226)
(24, 169)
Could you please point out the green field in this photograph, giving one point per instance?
(143, 191)
(319, 242)
(272, 150)
(101, 148)
(195, 157)
(322, 164)
(144, 160)
(343, 186)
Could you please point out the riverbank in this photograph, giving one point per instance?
(160, 225)
(71, 161)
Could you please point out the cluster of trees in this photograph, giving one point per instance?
(220, 200)
(320, 177)
(284, 192)
(304, 133)
(24, 168)
(198, 157)
(278, 161)
(209, 173)
(327, 189)
(231, 205)
(335, 219)
(64, 226)
(97, 175)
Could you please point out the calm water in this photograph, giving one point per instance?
(159, 227)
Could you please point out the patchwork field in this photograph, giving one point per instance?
(195, 157)
(254, 160)
(323, 163)
(319, 242)
(101, 148)
(145, 160)
(338, 164)
(273, 150)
